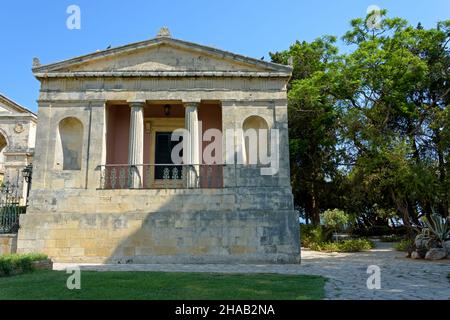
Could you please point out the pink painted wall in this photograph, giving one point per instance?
(117, 134)
(118, 126)
(211, 117)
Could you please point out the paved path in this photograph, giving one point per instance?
(401, 278)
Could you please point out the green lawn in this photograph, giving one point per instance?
(51, 285)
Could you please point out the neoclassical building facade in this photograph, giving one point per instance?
(105, 187)
(17, 142)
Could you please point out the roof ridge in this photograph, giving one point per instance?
(161, 40)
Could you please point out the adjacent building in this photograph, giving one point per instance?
(17, 141)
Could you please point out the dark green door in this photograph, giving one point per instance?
(163, 155)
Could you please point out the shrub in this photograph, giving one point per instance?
(311, 234)
(404, 245)
(437, 229)
(13, 264)
(352, 245)
(335, 219)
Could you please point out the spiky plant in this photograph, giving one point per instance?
(437, 227)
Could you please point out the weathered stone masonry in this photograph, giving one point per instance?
(250, 219)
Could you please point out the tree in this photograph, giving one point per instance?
(394, 90)
(312, 122)
(369, 130)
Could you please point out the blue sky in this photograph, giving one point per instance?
(38, 28)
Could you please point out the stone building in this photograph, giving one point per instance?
(105, 187)
(17, 140)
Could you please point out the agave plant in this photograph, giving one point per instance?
(437, 227)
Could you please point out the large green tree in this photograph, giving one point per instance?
(369, 130)
(394, 89)
(312, 123)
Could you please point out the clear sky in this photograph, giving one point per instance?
(251, 27)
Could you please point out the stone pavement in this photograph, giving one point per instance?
(401, 278)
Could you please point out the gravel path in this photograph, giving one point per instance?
(401, 278)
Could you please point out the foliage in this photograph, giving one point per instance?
(370, 129)
(50, 285)
(13, 264)
(311, 234)
(351, 245)
(318, 238)
(435, 232)
(437, 228)
(404, 245)
(335, 219)
(312, 123)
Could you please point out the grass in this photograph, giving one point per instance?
(51, 285)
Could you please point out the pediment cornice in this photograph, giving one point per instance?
(77, 66)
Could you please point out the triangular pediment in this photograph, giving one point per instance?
(162, 55)
(10, 108)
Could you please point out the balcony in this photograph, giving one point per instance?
(160, 176)
(171, 176)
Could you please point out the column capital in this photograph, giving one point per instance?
(136, 103)
(191, 104)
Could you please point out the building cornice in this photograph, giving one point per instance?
(162, 74)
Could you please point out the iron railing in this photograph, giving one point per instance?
(10, 208)
(160, 176)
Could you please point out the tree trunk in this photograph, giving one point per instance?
(443, 203)
(402, 207)
(312, 209)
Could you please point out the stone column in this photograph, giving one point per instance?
(192, 145)
(136, 144)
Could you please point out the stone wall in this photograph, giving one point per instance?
(8, 243)
(86, 201)
(164, 237)
(247, 225)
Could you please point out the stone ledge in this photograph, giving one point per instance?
(43, 265)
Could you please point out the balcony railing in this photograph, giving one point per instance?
(160, 176)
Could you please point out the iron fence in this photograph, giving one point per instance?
(10, 208)
(160, 176)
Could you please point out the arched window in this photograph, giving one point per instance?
(3, 145)
(70, 144)
(256, 138)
